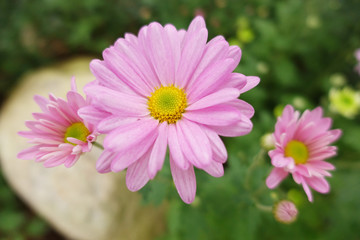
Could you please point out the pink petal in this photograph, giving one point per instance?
(196, 25)
(51, 118)
(303, 170)
(131, 155)
(29, 153)
(57, 113)
(160, 53)
(75, 141)
(313, 129)
(219, 115)
(73, 84)
(322, 165)
(120, 65)
(236, 80)
(210, 80)
(131, 39)
(68, 111)
(245, 108)
(44, 140)
(221, 96)
(110, 123)
(56, 160)
(214, 52)
(174, 41)
(58, 128)
(92, 115)
(297, 177)
(118, 102)
(71, 160)
(137, 173)
(251, 82)
(288, 114)
(322, 155)
(280, 161)
(191, 54)
(103, 164)
(197, 141)
(130, 135)
(42, 102)
(175, 148)
(319, 184)
(323, 140)
(185, 182)
(275, 177)
(218, 147)
(307, 191)
(136, 57)
(158, 152)
(215, 169)
(235, 54)
(75, 101)
(242, 127)
(107, 78)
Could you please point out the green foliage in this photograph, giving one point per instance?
(294, 46)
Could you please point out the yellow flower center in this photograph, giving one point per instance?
(298, 151)
(167, 104)
(78, 131)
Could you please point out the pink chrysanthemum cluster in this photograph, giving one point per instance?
(59, 134)
(165, 89)
(302, 146)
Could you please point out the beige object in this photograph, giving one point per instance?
(79, 202)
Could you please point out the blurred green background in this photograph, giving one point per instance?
(301, 49)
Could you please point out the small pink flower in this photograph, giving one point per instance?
(168, 88)
(357, 56)
(302, 145)
(285, 211)
(59, 134)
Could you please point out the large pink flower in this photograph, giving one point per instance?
(168, 88)
(59, 134)
(302, 146)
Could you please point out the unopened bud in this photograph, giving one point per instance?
(285, 211)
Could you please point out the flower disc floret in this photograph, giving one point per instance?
(78, 131)
(167, 103)
(298, 151)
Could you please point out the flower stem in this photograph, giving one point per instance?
(98, 145)
(257, 160)
(260, 206)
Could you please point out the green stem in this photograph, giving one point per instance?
(255, 162)
(263, 208)
(98, 145)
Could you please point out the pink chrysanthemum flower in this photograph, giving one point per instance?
(302, 145)
(59, 134)
(285, 211)
(168, 88)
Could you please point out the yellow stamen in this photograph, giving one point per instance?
(298, 151)
(167, 103)
(78, 131)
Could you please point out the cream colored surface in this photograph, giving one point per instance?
(79, 202)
